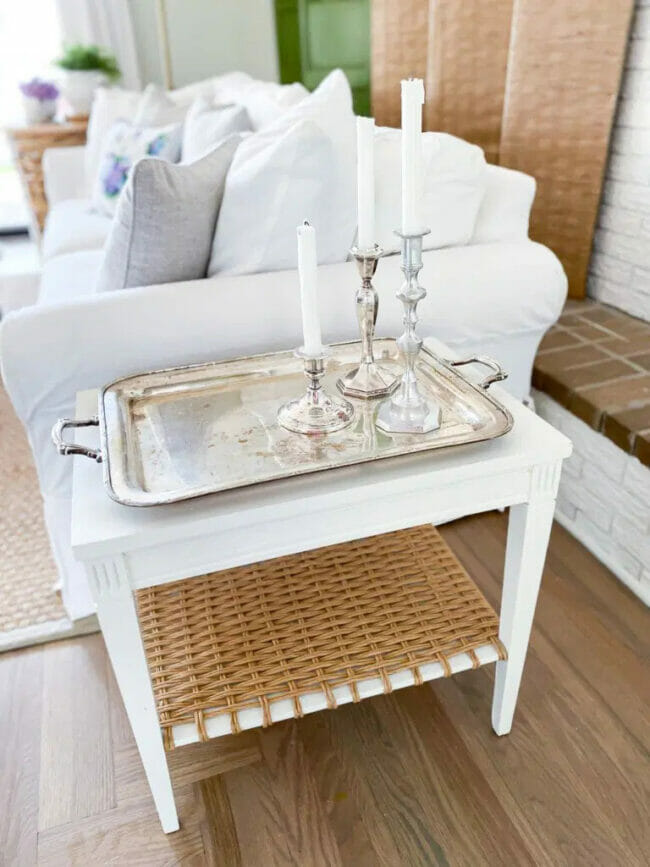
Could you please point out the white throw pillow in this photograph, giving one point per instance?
(114, 103)
(454, 185)
(269, 192)
(156, 108)
(276, 181)
(109, 105)
(125, 145)
(207, 124)
(266, 101)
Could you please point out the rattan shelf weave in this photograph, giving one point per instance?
(339, 622)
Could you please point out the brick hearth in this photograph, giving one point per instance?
(596, 363)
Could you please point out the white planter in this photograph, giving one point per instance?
(38, 110)
(78, 87)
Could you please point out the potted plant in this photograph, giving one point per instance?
(39, 100)
(85, 68)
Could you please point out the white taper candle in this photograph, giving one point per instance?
(412, 102)
(308, 274)
(366, 182)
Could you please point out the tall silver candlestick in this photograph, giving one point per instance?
(369, 379)
(406, 411)
(316, 412)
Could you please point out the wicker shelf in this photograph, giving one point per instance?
(258, 644)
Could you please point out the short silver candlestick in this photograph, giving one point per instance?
(369, 379)
(406, 411)
(316, 412)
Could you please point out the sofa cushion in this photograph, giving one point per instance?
(505, 209)
(70, 276)
(165, 221)
(301, 167)
(207, 124)
(125, 144)
(73, 225)
(454, 185)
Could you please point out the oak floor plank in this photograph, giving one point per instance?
(21, 674)
(188, 764)
(217, 825)
(342, 796)
(590, 774)
(584, 639)
(128, 835)
(279, 816)
(76, 749)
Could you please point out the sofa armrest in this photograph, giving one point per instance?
(506, 205)
(64, 174)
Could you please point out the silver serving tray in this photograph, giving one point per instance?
(188, 431)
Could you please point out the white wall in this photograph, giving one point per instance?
(207, 37)
(620, 263)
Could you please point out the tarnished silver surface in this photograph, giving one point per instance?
(176, 434)
(315, 411)
(408, 410)
(368, 379)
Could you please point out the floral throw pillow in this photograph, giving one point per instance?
(125, 144)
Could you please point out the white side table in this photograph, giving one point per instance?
(127, 549)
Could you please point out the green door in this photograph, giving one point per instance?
(316, 36)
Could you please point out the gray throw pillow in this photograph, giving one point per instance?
(165, 221)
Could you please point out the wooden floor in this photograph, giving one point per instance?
(409, 779)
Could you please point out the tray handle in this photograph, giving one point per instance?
(498, 375)
(65, 448)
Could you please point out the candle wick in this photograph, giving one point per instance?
(306, 223)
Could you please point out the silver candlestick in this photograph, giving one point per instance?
(316, 412)
(406, 411)
(369, 379)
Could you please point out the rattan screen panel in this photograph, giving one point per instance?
(248, 637)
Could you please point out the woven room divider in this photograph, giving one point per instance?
(533, 82)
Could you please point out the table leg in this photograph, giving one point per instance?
(118, 619)
(529, 529)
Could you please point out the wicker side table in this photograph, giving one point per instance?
(28, 144)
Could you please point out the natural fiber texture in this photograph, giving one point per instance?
(466, 69)
(28, 144)
(533, 82)
(27, 572)
(563, 77)
(236, 639)
(398, 50)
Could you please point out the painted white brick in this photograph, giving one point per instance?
(565, 507)
(626, 167)
(626, 195)
(630, 140)
(641, 23)
(636, 481)
(619, 555)
(633, 301)
(635, 250)
(610, 268)
(636, 84)
(597, 510)
(618, 499)
(627, 535)
(638, 54)
(633, 113)
(595, 448)
(622, 220)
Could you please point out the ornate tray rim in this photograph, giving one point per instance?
(190, 493)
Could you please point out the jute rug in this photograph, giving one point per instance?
(30, 608)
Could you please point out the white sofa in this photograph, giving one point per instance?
(497, 295)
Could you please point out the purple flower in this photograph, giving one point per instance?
(114, 174)
(39, 89)
(157, 144)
